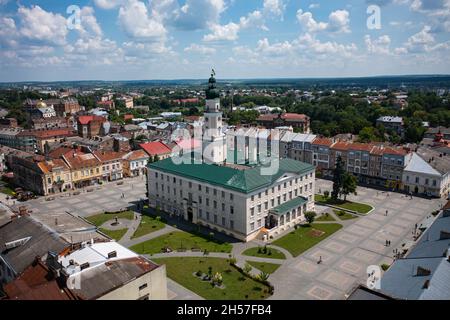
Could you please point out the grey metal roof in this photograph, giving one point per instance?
(42, 240)
(429, 244)
(430, 253)
(401, 280)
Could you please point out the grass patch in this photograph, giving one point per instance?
(325, 217)
(259, 252)
(343, 215)
(264, 266)
(148, 225)
(101, 218)
(349, 205)
(237, 286)
(114, 234)
(304, 237)
(181, 240)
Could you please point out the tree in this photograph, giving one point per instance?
(349, 185)
(310, 216)
(338, 177)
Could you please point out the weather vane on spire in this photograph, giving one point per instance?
(213, 73)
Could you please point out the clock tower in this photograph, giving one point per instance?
(214, 139)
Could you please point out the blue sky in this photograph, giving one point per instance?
(174, 39)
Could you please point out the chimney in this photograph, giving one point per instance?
(422, 272)
(112, 254)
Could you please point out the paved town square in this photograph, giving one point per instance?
(344, 256)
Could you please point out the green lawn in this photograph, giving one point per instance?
(114, 234)
(237, 286)
(148, 225)
(300, 240)
(343, 215)
(178, 239)
(349, 205)
(275, 254)
(101, 218)
(264, 266)
(325, 218)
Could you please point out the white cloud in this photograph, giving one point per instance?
(274, 7)
(338, 22)
(108, 4)
(89, 23)
(227, 32)
(201, 49)
(230, 31)
(42, 26)
(198, 14)
(314, 6)
(378, 46)
(138, 22)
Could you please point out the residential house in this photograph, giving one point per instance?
(86, 169)
(300, 122)
(111, 164)
(135, 163)
(156, 149)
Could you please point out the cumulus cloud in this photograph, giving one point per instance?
(378, 46)
(274, 7)
(42, 26)
(198, 14)
(201, 49)
(338, 22)
(138, 22)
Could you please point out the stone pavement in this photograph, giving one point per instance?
(347, 253)
(107, 197)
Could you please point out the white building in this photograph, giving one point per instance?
(109, 271)
(240, 200)
(428, 172)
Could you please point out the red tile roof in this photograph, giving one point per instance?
(361, 147)
(137, 154)
(395, 151)
(105, 156)
(86, 119)
(341, 145)
(155, 148)
(323, 142)
(284, 116)
(35, 283)
(43, 134)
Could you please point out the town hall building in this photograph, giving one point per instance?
(243, 201)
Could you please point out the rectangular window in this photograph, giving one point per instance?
(252, 226)
(199, 187)
(223, 222)
(231, 224)
(207, 202)
(215, 204)
(231, 196)
(215, 192)
(190, 185)
(259, 223)
(223, 206)
(207, 216)
(215, 218)
(259, 208)
(200, 199)
(252, 212)
(266, 205)
(142, 287)
(231, 210)
(253, 198)
(223, 194)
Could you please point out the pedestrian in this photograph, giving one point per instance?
(385, 243)
(386, 213)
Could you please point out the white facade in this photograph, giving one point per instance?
(214, 140)
(238, 214)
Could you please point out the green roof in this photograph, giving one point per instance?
(239, 180)
(288, 206)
